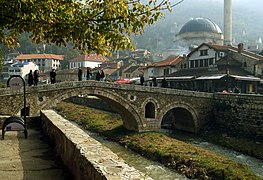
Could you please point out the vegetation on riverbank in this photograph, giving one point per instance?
(246, 145)
(192, 161)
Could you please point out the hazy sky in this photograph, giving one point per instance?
(254, 5)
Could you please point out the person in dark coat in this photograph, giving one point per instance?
(30, 79)
(102, 75)
(141, 80)
(154, 80)
(36, 77)
(164, 83)
(80, 74)
(53, 76)
(88, 74)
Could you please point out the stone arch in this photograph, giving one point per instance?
(150, 107)
(130, 116)
(182, 117)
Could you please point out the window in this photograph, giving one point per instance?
(245, 64)
(196, 64)
(204, 52)
(191, 64)
(211, 61)
(184, 65)
(166, 71)
(201, 63)
(221, 54)
(206, 62)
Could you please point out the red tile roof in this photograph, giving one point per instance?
(109, 71)
(231, 48)
(90, 57)
(170, 61)
(39, 56)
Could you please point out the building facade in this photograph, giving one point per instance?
(18, 68)
(45, 62)
(87, 60)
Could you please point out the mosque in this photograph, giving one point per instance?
(197, 31)
(202, 30)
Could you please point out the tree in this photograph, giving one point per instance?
(92, 25)
(1, 59)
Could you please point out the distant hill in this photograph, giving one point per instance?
(247, 21)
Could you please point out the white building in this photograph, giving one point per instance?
(163, 68)
(10, 58)
(18, 68)
(45, 62)
(87, 60)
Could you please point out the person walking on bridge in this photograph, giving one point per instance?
(30, 79)
(80, 74)
(88, 76)
(53, 76)
(164, 83)
(141, 80)
(36, 77)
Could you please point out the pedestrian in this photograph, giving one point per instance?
(154, 80)
(164, 83)
(53, 76)
(80, 74)
(141, 80)
(88, 74)
(36, 77)
(30, 79)
(98, 76)
(102, 75)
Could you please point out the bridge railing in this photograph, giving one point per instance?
(108, 85)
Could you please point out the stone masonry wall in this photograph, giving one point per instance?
(85, 157)
(242, 114)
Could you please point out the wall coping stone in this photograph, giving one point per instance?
(84, 156)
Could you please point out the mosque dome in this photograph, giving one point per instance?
(200, 25)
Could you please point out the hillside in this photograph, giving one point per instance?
(247, 24)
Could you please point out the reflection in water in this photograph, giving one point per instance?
(256, 165)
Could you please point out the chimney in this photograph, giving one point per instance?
(227, 22)
(240, 47)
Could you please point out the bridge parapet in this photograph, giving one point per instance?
(141, 107)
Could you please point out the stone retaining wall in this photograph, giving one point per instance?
(240, 113)
(86, 158)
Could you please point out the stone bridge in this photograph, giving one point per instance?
(142, 108)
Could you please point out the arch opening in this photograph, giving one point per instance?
(149, 110)
(179, 119)
(130, 117)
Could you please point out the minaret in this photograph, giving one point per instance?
(227, 22)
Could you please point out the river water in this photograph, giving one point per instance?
(256, 165)
(159, 172)
(154, 169)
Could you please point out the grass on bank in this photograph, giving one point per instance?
(192, 161)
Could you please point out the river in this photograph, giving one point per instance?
(152, 168)
(256, 165)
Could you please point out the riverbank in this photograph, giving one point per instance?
(194, 162)
(247, 145)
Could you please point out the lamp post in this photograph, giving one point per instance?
(15, 123)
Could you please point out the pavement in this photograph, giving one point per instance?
(31, 158)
